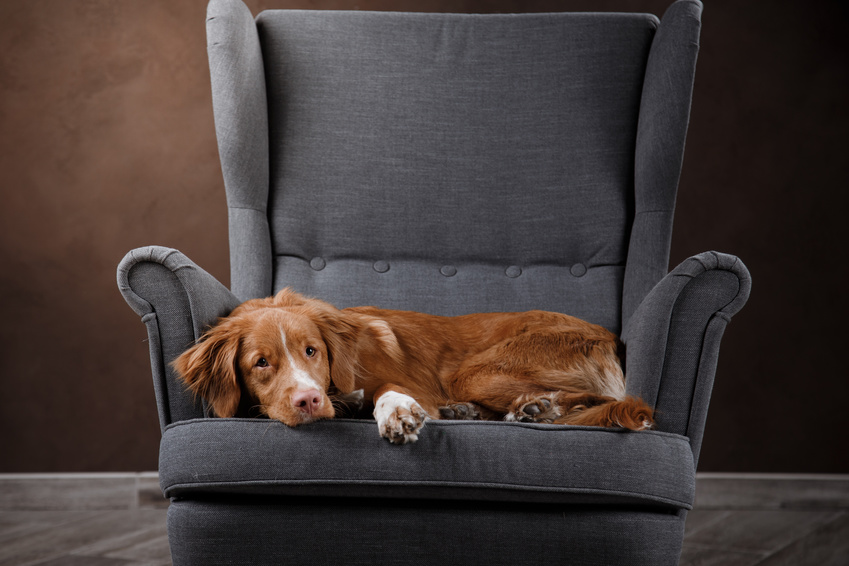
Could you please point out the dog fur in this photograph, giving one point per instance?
(298, 359)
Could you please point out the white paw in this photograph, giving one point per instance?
(399, 417)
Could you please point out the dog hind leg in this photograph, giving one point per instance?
(551, 407)
(630, 413)
(582, 409)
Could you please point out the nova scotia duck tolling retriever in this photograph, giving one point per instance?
(298, 360)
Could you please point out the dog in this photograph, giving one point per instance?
(297, 360)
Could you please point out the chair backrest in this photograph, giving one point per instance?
(450, 163)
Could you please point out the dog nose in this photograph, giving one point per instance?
(307, 401)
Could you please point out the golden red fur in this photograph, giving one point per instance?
(292, 356)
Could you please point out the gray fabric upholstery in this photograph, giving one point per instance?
(672, 340)
(449, 164)
(454, 140)
(357, 532)
(662, 129)
(424, 286)
(452, 460)
(237, 73)
(177, 301)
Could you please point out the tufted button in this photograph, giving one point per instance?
(513, 271)
(381, 266)
(448, 270)
(318, 263)
(578, 270)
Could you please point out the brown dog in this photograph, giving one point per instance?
(289, 355)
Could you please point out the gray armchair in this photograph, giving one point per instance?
(447, 164)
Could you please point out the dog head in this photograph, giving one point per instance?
(282, 353)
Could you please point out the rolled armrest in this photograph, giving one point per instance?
(176, 300)
(672, 340)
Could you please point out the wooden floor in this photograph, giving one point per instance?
(119, 520)
(82, 520)
(768, 520)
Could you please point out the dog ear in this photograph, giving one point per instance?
(343, 360)
(210, 368)
(339, 333)
(382, 332)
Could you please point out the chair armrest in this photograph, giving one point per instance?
(672, 340)
(176, 300)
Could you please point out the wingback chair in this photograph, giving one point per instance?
(449, 164)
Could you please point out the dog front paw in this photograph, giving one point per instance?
(399, 417)
(534, 409)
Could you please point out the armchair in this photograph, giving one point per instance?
(449, 164)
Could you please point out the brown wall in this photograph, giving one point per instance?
(107, 143)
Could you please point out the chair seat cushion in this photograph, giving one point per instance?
(469, 460)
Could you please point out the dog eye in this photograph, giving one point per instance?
(310, 351)
(262, 363)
